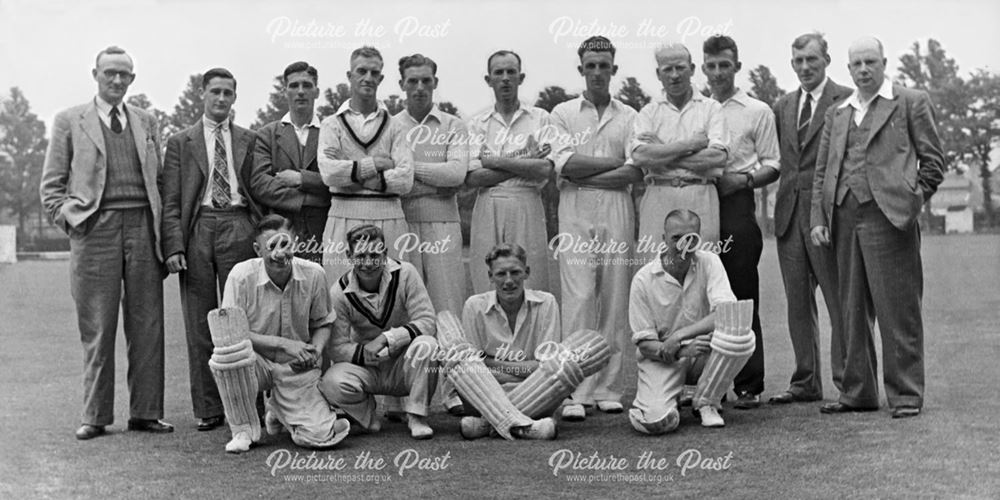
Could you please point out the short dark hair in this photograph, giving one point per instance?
(503, 52)
(273, 222)
(506, 250)
(114, 49)
(596, 44)
(682, 214)
(367, 51)
(298, 67)
(364, 233)
(416, 60)
(217, 73)
(801, 41)
(717, 44)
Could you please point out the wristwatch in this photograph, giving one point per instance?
(749, 179)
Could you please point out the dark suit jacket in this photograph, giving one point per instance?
(903, 157)
(185, 172)
(76, 168)
(277, 149)
(798, 163)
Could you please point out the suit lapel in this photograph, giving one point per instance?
(791, 120)
(838, 136)
(883, 110)
(241, 142)
(91, 124)
(288, 142)
(139, 135)
(819, 112)
(200, 150)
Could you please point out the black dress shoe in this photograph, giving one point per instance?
(149, 425)
(788, 397)
(838, 407)
(207, 424)
(905, 411)
(87, 431)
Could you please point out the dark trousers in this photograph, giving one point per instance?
(308, 225)
(738, 220)
(219, 240)
(803, 267)
(881, 277)
(113, 261)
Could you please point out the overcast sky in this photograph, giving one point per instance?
(47, 48)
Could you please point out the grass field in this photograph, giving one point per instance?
(773, 452)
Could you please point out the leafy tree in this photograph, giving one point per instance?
(22, 138)
(334, 99)
(551, 96)
(632, 94)
(765, 88)
(190, 106)
(982, 129)
(449, 108)
(276, 106)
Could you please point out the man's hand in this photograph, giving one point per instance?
(650, 138)
(334, 153)
(383, 163)
(731, 183)
(650, 349)
(820, 236)
(290, 178)
(372, 349)
(176, 263)
(314, 362)
(669, 350)
(699, 141)
(698, 346)
(536, 152)
(301, 353)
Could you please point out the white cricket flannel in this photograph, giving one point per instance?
(581, 131)
(753, 136)
(528, 126)
(291, 313)
(359, 138)
(486, 327)
(657, 302)
(700, 115)
(400, 309)
(440, 150)
(209, 126)
(861, 108)
(302, 133)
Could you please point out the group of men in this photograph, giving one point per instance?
(304, 226)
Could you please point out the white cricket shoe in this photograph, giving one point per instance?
(240, 443)
(272, 424)
(574, 413)
(710, 417)
(418, 427)
(610, 406)
(542, 429)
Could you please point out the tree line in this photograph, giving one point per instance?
(968, 117)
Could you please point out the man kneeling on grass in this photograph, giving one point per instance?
(279, 346)
(686, 323)
(506, 359)
(383, 339)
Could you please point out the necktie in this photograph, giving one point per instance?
(221, 197)
(804, 118)
(116, 124)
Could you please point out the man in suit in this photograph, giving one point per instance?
(286, 174)
(799, 119)
(879, 161)
(208, 226)
(99, 185)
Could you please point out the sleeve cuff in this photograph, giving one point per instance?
(644, 335)
(366, 168)
(401, 335)
(359, 355)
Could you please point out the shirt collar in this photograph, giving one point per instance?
(211, 124)
(816, 92)
(530, 296)
(263, 279)
(854, 101)
(434, 113)
(522, 108)
(660, 271)
(288, 119)
(391, 265)
(346, 108)
(105, 108)
(696, 96)
(740, 97)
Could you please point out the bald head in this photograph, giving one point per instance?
(866, 62)
(674, 70)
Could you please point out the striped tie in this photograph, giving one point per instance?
(221, 197)
(804, 118)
